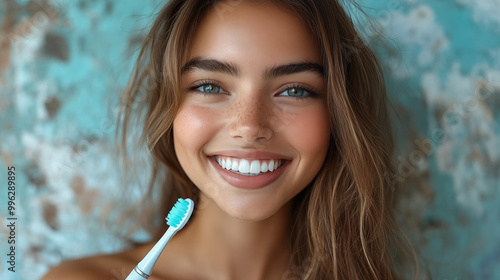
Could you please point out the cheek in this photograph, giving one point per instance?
(193, 127)
(308, 130)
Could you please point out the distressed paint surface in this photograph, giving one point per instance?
(64, 63)
(445, 86)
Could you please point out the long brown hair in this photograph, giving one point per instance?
(344, 226)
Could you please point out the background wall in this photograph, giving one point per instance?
(63, 63)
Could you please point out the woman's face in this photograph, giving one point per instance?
(252, 130)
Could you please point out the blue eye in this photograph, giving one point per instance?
(295, 92)
(210, 88)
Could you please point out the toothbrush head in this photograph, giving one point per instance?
(180, 213)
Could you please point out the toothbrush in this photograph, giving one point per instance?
(176, 219)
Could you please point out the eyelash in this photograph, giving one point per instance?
(312, 92)
(205, 83)
(309, 89)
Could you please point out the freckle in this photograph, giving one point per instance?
(236, 110)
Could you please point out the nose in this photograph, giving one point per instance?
(251, 121)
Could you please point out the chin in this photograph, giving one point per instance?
(250, 209)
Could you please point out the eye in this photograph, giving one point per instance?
(209, 88)
(296, 91)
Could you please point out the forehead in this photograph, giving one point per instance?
(253, 34)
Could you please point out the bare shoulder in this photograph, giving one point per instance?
(106, 267)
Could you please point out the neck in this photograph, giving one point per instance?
(230, 248)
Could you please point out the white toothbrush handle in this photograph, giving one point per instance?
(137, 275)
(145, 267)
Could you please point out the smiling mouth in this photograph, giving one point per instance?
(248, 167)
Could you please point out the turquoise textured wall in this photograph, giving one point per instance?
(63, 64)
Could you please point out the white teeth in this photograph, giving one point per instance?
(245, 166)
(271, 165)
(234, 165)
(263, 167)
(255, 167)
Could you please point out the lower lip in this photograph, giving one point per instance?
(249, 182)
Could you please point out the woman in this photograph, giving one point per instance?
(271, 115)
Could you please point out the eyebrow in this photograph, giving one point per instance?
(215, 65)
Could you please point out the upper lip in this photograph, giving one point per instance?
(250, 154)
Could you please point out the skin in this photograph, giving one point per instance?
(237, 233)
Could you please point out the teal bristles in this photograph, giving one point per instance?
(176, 215)
(176, 219)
